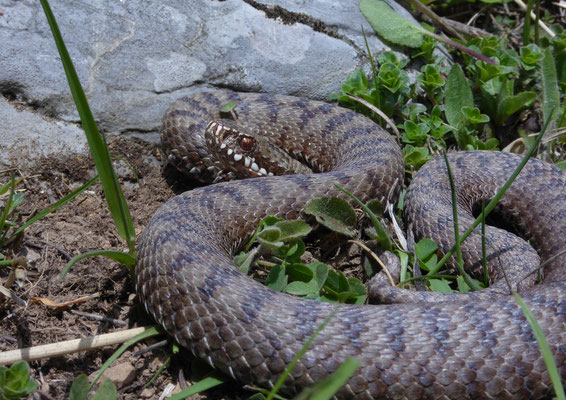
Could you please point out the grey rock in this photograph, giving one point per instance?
(26, 136)
(135, 57)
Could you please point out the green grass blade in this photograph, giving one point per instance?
(527, 23)
(326, 388)
(537, 20)
(150, 332)
(4, 188)
(197, 387)
(121, 257)
(7, 209)
(299, 354)
(112, 191)
(54, 206)
(544, 349)
(372, 62)
(483, 247)
(491, 205)
(459, 262)
(159, 371)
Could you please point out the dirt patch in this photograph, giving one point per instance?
(84, 225)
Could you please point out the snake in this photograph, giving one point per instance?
(463, 346)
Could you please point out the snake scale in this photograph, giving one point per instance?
(469, 347)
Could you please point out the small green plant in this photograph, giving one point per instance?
(15, 381)
(81, 388)
(283, 240)
(470, 107)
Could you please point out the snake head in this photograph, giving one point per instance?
(247, 155)
(235, 150)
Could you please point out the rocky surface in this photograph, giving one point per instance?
(135, 58)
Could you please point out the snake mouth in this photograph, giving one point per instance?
(234, 149)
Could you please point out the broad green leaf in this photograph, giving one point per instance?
(293, 252)
(358, 292)
(392, 78)
(15, 381)
(462, 285)
(347, 296)
(376, 207)
(439, 285)
(415, 157)
(457, 95)
(404, 259)
(390, 25)
(336, 282)
(276, 279)
(106, 391)
(473, 115)
(382, 235)
(293, 229)
(334, 213)
(428, 263)
(300, 272)
(269, 237)
(79, 388)
(228, 107)
(550, 94)
(302, 288)
(415, 133)
(244, 261)
(355, 83)
(356, 286)
(530, 56)
(510, 105)
(425, 248)
(320, 272)
(271, 220)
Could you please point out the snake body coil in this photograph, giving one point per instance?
(470, 348)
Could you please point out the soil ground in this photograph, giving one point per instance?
(84, 225)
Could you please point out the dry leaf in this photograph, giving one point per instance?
(50, 303)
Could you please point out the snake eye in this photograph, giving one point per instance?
(247, 144)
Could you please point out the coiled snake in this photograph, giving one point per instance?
(471, 346)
